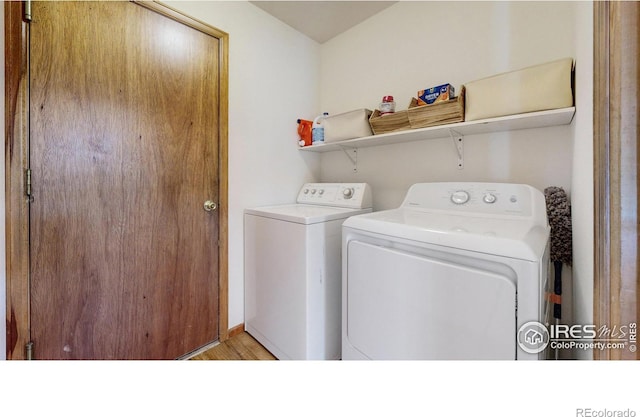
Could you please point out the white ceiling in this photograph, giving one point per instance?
(322, 20)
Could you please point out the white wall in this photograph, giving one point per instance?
(582, 175)
(393, 53)
(273, 81)
(414, 45)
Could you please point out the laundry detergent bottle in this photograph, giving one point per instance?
(304, 132)
(317, 132)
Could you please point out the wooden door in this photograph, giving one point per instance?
(123, 154)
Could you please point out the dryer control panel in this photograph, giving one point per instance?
(345, 195)
(478, 198)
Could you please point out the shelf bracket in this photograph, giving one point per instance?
(458, 143)
(352, 154)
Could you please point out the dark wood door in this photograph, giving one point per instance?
(123, 153)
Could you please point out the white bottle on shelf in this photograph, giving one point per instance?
(317, 131)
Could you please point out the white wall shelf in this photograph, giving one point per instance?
(498, 124)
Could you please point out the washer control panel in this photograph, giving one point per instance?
(485, 198)
(460, 197)
(347, 195)
(489, 198)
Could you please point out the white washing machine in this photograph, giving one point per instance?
(451, 274)
(292, 270)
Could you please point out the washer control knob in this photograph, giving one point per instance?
(306, 191)
(313, 191)
(321, 191)
(347, 193)
(460, 197)
(489, 198)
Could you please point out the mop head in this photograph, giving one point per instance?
(559, 216)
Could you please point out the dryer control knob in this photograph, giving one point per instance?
(489, 198)
(347, 193)
(460, 197)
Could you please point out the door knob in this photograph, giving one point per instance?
(210, 205)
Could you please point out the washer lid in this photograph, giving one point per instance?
(512, 237)
(305, 213)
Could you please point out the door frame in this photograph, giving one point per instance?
(616, 158)
(17, 159)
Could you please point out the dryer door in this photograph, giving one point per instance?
(405, 306)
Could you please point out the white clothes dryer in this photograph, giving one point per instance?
(451, 274)
(292, 270)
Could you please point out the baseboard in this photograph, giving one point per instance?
(236, 330)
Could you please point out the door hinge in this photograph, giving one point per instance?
(29, 351)
(28, 183)
(27, 11)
